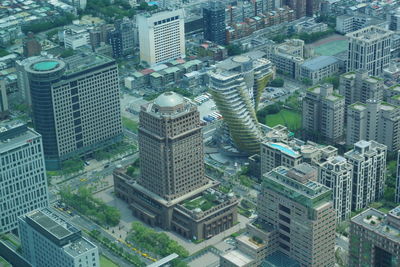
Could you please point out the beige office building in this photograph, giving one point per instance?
(375, 120)
(172, 191)
(323, 113)
(161, 36)
(301, 211)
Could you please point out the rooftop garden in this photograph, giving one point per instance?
(204, 202)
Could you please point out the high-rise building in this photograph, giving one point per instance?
(359, 87)
(374, 239)
(214, 22)
(292, 153)
(23, 180)
(31, 46)
(323, 113)
(172, 190)
(159, 134)
(312, 7)
(122, 38)
(47, 239)
(394, 20)
(369, 49)
(336, 174)
(237, 84)
(299, 7)
(161, 36)
(375, 120)
(301, 211)
(397, 196)
(75, 104)
(368, 159)
(3, 100)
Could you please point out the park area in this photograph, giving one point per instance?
(288, 118)
(330, 46)
(106, 262)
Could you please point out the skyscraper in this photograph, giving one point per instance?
(23, 180)
(375, 120)
(161, 36)
(237, 85)
(299, 7)
(122, 38)
(369, 49)
(368, 159)
(75, 105)
(214, 22)
(169, 132)
(336, 174)
(47, 239)
(301, 211)
(323, 113)
(374, 239)
(172, 191)
(3, 100)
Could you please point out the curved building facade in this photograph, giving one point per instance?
(42, 74)
(76, 105)
(237, 85)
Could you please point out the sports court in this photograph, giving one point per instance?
(330, 46)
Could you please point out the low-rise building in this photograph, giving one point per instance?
(319, 68)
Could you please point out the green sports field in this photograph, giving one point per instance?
(288, 118)
(331, 48)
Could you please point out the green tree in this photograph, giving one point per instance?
(278, 82)
(234, 50)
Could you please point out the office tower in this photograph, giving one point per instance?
(323, 113)
(3, 100)
(397, 196)
(161, 36)
(369, 49)
(171, 124)
(31, 47)
(75, 105)
(47, 239)
(23, 179)
(301, 211)
(299, 7)
(375, 120)
(336, 174)
(172, 191)
(122, 38)
(214, 22)
(374, 239)
(359, 87)
(22, 78)
(368, 159)
(237, 84)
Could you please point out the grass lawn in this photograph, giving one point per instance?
(106, 262)
(288, 118)
(130, 124)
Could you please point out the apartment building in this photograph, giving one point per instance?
(368, 159)
(369, 49)
(375, 120)
(336, 174)
(319, 68)
(323, 113)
